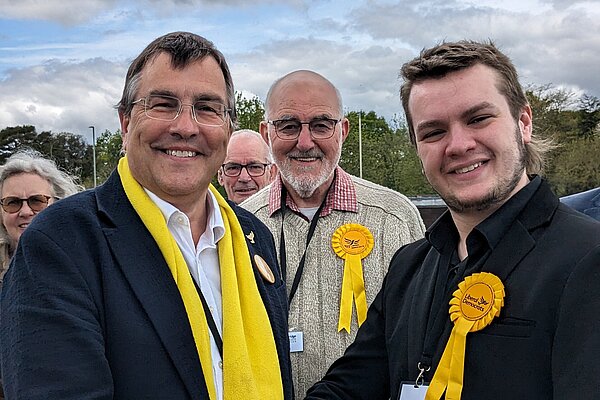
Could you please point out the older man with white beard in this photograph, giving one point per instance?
(336, 232)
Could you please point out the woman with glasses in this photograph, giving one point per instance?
(28, 184)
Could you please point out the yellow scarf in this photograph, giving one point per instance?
(250, 363)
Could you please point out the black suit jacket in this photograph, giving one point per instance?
(90, 308)
(544, 345)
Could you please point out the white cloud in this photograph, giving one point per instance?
(73, 12)
(60, 96)
(550, 45)
(67, 12)
(367, 85)
(68, 81)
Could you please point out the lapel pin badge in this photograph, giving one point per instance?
(264, 269)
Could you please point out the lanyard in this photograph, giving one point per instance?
(311, 231)
(210, 320)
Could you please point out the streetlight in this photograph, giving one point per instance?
(360, 144)
(94, 150)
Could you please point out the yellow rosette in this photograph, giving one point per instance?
(352, 242)
(474, 305)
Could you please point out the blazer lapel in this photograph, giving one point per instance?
(519, 240)
(143, 265)
(515, 245)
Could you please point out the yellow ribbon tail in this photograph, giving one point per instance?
(353, 288)
(438, 383)
(449, 373)
(346, 300)
(457, 363)
(358, 288)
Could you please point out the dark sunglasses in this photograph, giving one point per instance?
(37, 203)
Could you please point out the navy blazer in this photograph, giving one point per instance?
(89, 307)
(587, 202)
(544, 345)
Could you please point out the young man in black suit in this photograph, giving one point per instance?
(500, 300)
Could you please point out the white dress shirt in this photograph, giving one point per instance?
(203, 263)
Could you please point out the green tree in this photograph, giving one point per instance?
(73, 154)
(553, 114)
(108, 153)
(15, 138)
(553, 118)
(576, 166)
(69, 151)
(388, 157)
(250, 112)
(589, 115)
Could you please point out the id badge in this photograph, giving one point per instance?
(410, 391)
(296, 341)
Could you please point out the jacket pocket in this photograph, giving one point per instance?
(511, 327)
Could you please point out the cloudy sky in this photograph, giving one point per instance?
(63, 62)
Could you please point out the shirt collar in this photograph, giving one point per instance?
(341, 196)
(215, 227)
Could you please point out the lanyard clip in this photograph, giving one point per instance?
(420, 378)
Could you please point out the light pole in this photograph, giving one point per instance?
(94, 150)
(360, 144)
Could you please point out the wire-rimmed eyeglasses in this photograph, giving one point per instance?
(168, 108)
(319, 128)
(36, 202)
(253, 169)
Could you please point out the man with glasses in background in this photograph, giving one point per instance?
(248, 165)
(150, 286)
(336, 232)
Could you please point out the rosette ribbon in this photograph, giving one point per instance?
(352, 243)
(473, 306)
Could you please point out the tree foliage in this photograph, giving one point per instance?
(577, 166)
(388, 157)
(108, 153)
(574, 128)
(69, 151)
(589, 116)
(15, 138)
(553, 115)
(250, 112)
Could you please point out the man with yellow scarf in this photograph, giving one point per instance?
(152, 286)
